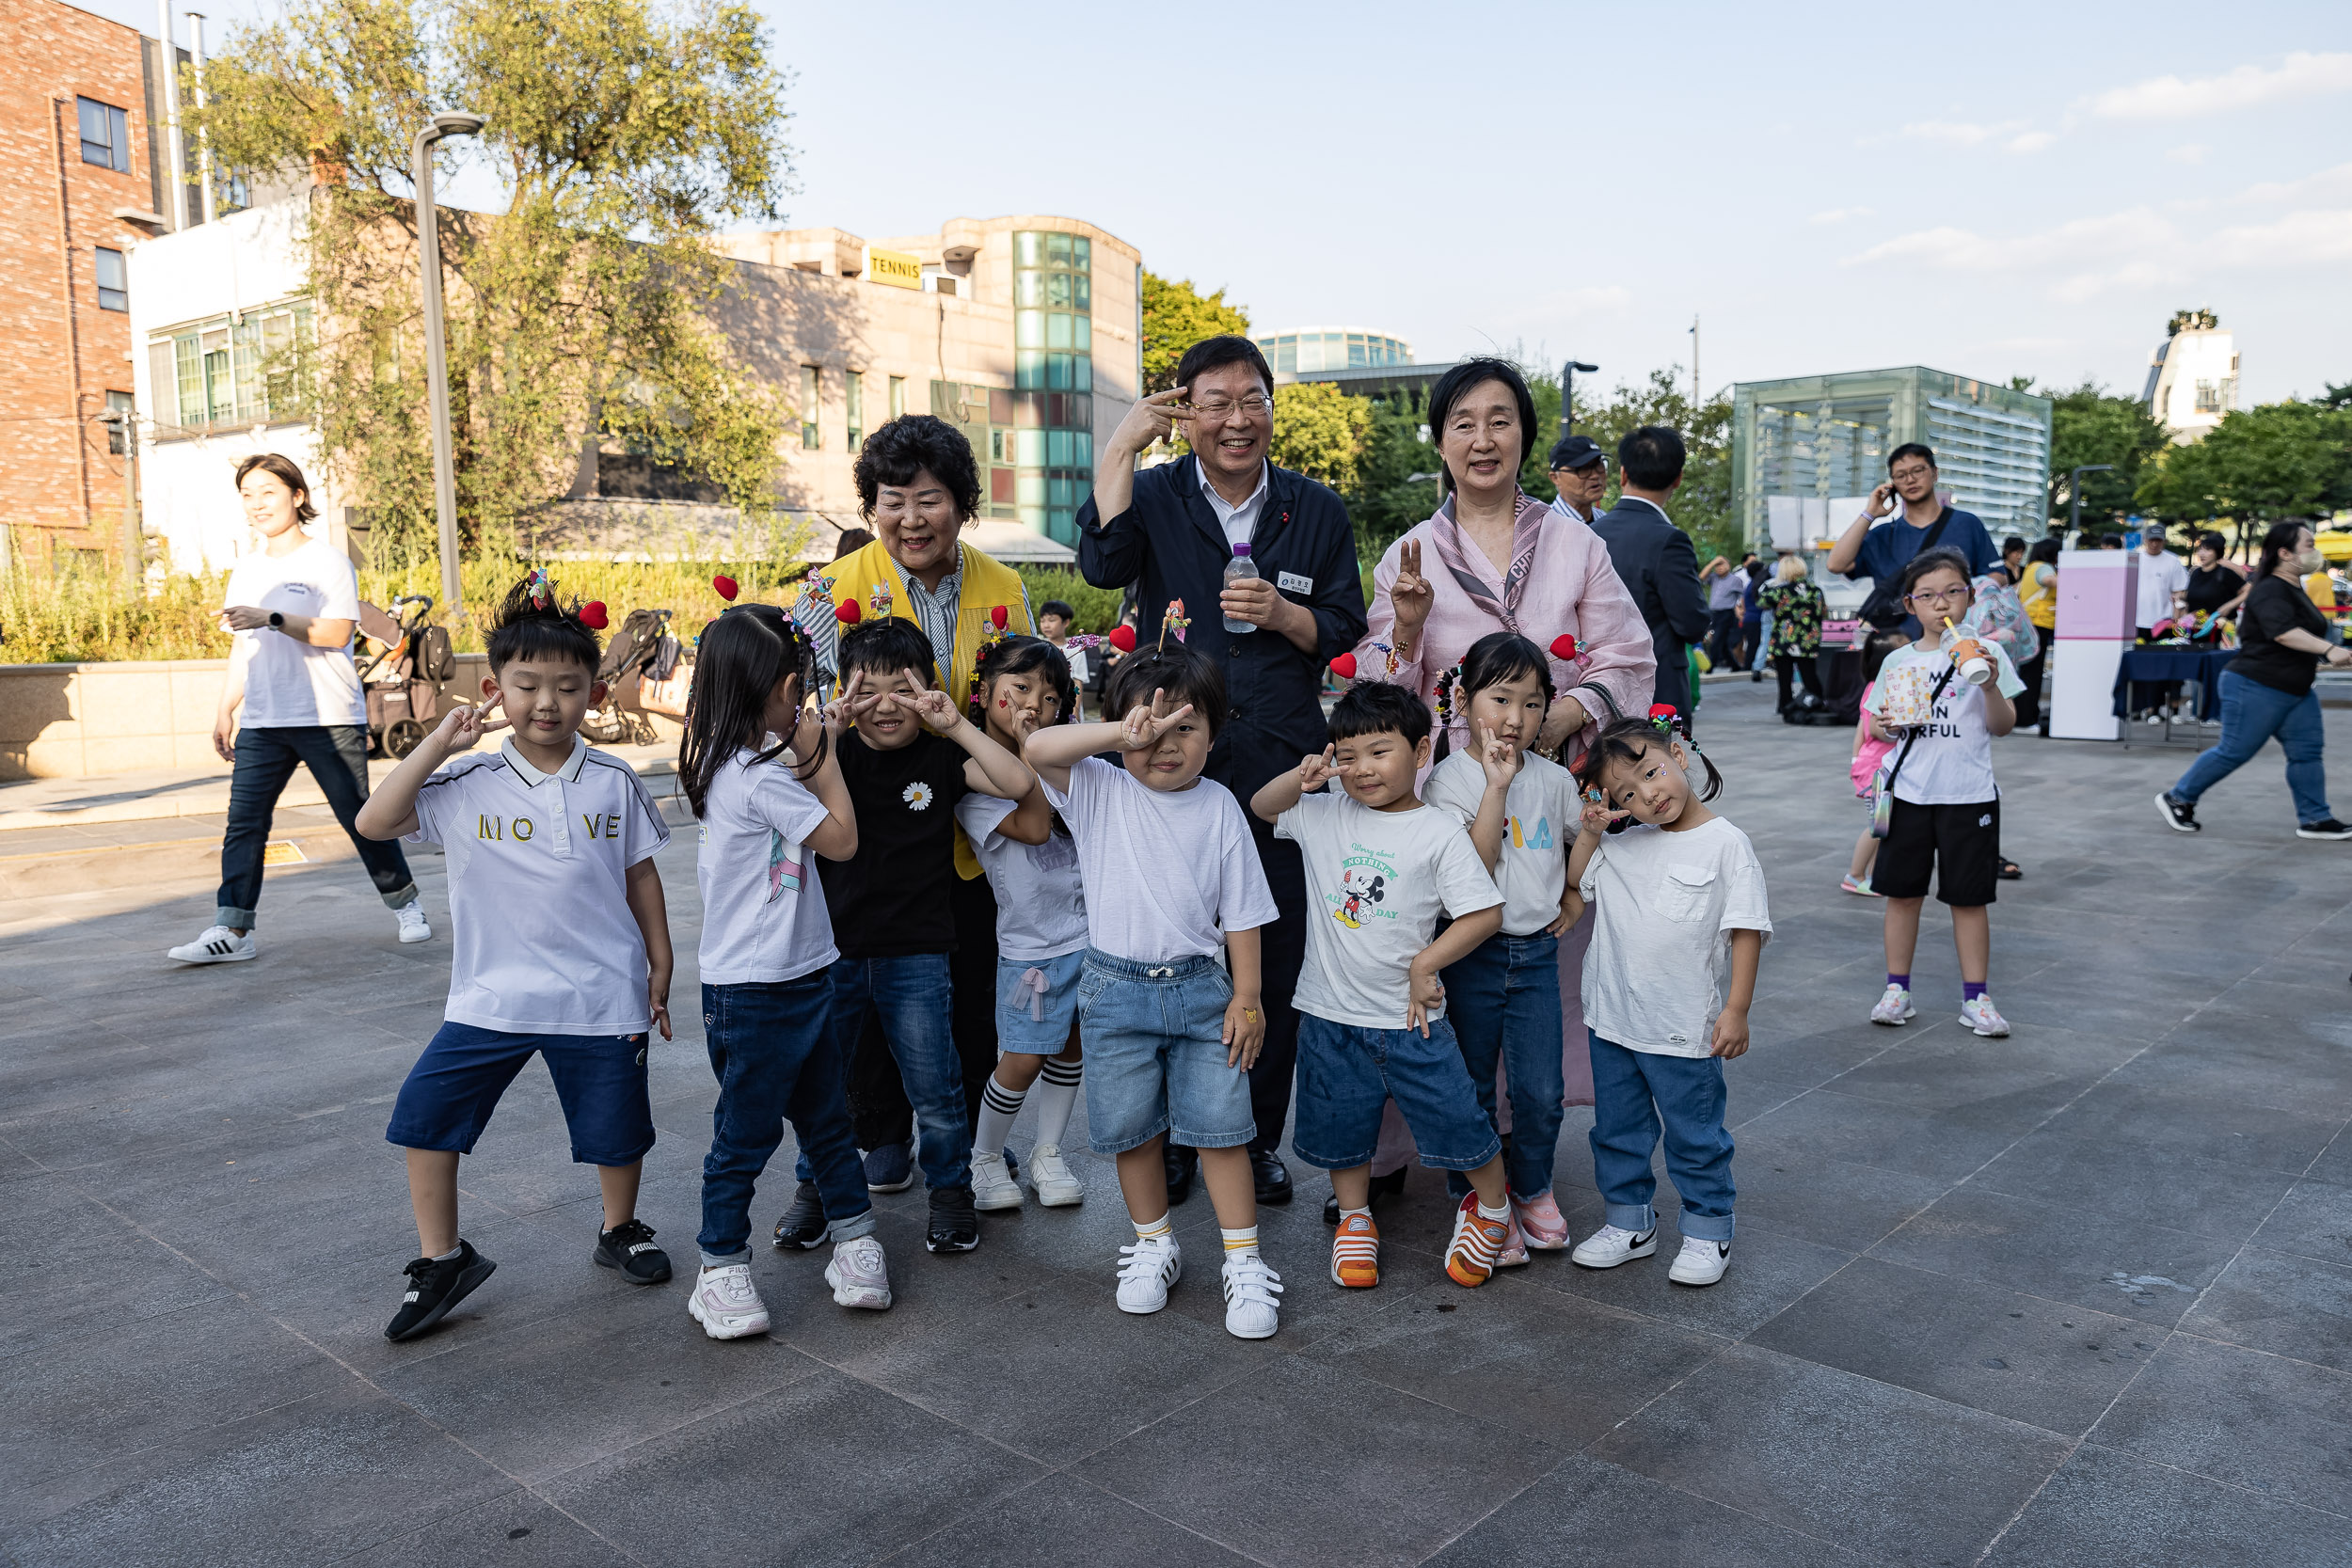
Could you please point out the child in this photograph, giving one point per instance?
(1055, 618)
(1678, 901)
(911, 758)
(1947, 810)
(1032, 867)
(1868, 752)
(767, 956)
(1168, 859)
(562, 946)
(1380, 869)
(1505, 992)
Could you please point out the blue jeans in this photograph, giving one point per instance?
(911, 996)
(2251, 713)
(337, 756)
(1155, 1061)
(1633, 1093)
(1503, 999)
(772, 1050)
(1347, 1073)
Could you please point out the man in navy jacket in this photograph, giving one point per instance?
(1169, 531)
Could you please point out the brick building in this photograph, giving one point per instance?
(79, 161)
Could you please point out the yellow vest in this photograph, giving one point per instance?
(987, 583)
(2040, 597)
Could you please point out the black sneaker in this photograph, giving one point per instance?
(2326, 827)
(2179, 817)
(629, 1247)
(803, 1224)
(434, 1288)
(955, 1225)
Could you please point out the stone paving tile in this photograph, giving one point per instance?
(2246, 1419)
(515, 1531)
(2104, 1508)
(2287, 1305)
(2148, 1185)
(1061, 1513)
(2313, 1219)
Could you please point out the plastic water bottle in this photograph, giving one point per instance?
(1241, 566)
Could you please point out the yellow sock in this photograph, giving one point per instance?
(1146, 1231)
(1240, 1241)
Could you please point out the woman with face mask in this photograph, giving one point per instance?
(2266, 690)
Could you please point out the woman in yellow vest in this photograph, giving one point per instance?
(919, 486)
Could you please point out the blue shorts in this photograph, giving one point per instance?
(457, 1083)
(1155, 1059)
(1033, 1021)
(1347, 1073)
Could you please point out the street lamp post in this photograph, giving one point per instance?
(1568, 393)
(2074, 498)
(436, 360)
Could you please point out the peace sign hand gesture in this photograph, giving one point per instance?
(938, 711)
(1144, 727)
(1410, 597)
(1500, 760)
(1317, 770)
(467, 724)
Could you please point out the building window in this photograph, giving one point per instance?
(809, 439)
(898, 397)
(222, 371)
(117, 404)
(106, 135)
(854, 389)
(114, 280)
(1053, 354)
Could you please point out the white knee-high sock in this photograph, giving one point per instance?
(1057, 1092)
(999, 1105)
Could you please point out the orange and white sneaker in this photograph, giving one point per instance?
(1356, 1253)
(1470, 1257)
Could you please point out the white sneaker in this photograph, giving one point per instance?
(1894, 1007)
(218, 945)
(413, 925)
(992, 1186)
(1699, 1262)
(1049, 1175)
(1981, 1014)
(1151, 1267)
(859, 1275)
(727, 1302)
(1250, 1309)
(1614, 1244)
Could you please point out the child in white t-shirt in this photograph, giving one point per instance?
(1679, 922)
(560, 945)
(761, 771)
(1024, 685)
(1381, 870)
(1171, 876)
(1946, 812)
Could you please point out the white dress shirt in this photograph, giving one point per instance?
(1240, 521)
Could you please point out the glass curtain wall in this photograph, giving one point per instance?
(1051, 439)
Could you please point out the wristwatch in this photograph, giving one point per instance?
(277, 620)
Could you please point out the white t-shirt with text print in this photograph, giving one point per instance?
(1951, 762)
(1543, 811)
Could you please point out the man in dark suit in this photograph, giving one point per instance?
(1654, 558)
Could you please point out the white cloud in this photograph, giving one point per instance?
(1839, 214)
(1960, 133)
(2299, 76)
(2193, 152)
(2328, 182)
(2136, 248)
(2299, 239)
(2032, 141)
(2080, 241)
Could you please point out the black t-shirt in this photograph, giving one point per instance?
(2211, 587)
(890, 898)
(2276, 605)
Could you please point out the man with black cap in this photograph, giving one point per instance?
(1655, 559)
(1580, 474)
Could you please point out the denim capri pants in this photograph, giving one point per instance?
(1037, 1002)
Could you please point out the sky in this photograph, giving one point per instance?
(1992, 190)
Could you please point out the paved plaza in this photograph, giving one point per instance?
(2081, 1296)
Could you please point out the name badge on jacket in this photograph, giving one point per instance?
(1291, 582)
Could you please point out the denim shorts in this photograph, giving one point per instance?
(1033, 1017)
(1347, 1073)
(601, 1080)
(1154, 1060)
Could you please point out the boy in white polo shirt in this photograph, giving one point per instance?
(562, 944)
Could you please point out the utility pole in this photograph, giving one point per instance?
(1695, 398)
(203, 138)
(2074, 485)
(133, 547)
(175, 177)
(436, 356)
(1568, 393)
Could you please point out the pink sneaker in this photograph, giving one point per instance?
(1514, 1253)
(1539, 1221)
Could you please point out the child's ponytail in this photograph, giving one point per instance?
(741, 657)
(1629, 739)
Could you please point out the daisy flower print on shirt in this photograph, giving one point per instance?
(917, 796)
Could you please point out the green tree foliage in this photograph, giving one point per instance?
(2090, 424)
(2259, 464)
(624, 133)
(1176, 315)
(1319, 431)
(1703, 506)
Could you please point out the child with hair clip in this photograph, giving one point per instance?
(1022, 685)
(1680, 924)
(760, 768)
(1505, 994)
(560, 945)
(1870, 750)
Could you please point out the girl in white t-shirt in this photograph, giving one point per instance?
(767, 956)
(1020, 686)
(1679, 922)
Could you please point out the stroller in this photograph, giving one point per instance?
(643, 653)
(402, 683)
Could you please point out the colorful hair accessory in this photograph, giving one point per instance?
(998, 617)
(881, 598)
(1344, 667)
(593, 615)
(1662, 713)
(726, 587)
(539, 589)
(1446, 684)
(1124, 638)
(1563, 647)
(819, 584)
(1174, 619)
(847, 613)
(1389, 663)
(1083, 642)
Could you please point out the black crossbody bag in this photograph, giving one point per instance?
(1882, 609)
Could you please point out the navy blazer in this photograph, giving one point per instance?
(1169, 544)
(1660, 569)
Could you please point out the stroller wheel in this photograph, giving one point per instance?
(402, 736)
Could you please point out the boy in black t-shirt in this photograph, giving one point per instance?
(911, 758)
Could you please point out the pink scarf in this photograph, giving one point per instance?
(1454, 551)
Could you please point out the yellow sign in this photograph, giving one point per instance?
(283, 852)
(894, 267)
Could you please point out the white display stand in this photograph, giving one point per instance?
(2098, 599)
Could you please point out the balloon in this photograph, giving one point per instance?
(1344, 667)
(593, 616)
(726, 587)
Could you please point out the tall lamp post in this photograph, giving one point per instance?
(2075, 495)
(1568, 393)
(436, 358)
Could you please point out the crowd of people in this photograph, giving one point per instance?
(1486, 883)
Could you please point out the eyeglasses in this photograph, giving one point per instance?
(1944, 596)
(1220, 409)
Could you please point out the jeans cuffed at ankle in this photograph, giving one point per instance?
(236, 920)
(1637, 1218)
(861, 1224)
(712, 1260)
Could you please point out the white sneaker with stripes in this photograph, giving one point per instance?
(218, 945)
(413, 925)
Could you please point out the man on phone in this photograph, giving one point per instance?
(1869, 549)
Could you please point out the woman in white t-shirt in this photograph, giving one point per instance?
(292, 606)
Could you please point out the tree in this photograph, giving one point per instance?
(1319, 431)
(1176, 316)
(2090, 425)
(624, 134)
(1703, 506)
(2259, 464)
